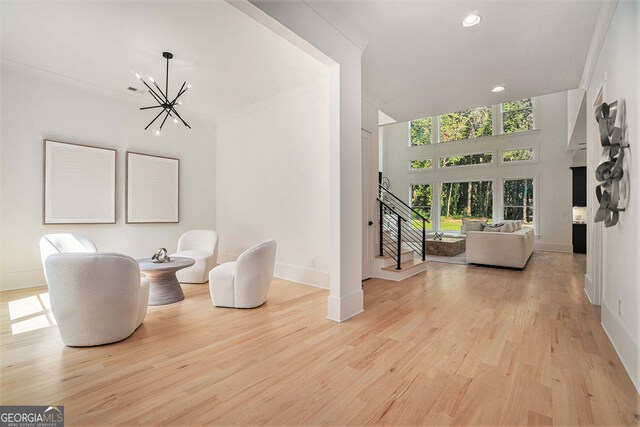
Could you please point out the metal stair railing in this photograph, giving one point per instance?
(391, 223)
(396, 205)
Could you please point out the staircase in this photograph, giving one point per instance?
(401, 239)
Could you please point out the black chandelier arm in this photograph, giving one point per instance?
(152, 92)
(159, 114)
(155, 106)
(165, 119)
(180, 92)
(161, 93)
(157, 97)
(181, 119)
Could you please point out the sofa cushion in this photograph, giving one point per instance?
(516, 223)
(471, 225)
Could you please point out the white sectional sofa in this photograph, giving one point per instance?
(500, 248)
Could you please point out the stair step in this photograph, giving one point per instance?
(405, 265)
(404, 252)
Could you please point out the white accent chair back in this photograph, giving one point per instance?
(244, 283)
(64, 242)
(202, 247)
(96, 298)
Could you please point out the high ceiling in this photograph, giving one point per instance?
(232, 61)
(420, 61)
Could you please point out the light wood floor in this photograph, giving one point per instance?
(453, 345)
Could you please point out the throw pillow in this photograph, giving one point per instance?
(508, 227)
(492, 228)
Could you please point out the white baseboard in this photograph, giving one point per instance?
(341, 309)
(553, 247)
(11, 280)
(306, 276)
(588, 285)
(627, 349)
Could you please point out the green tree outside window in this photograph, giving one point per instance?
(466, 124)
(517, 116)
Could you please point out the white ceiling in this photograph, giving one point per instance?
(232, 61)
(420, 61)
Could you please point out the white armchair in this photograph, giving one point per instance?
(202, 247)
(245, 282)
(96, 298)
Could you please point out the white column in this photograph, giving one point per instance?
(305, 28)
(345, 290)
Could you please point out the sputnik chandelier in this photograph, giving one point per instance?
(168, 107)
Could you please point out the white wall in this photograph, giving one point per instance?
(553, 190)
(33, 109)
(272, 182)
(576, 119)
(616, 73)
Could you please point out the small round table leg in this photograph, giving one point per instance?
(164, 289)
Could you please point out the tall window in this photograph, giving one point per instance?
(517, 116)
(465, 200)
(421, 197)
(518, 199)
(466, 124)
(421, 131)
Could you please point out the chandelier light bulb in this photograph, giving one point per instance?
(151, 79)
(179, 102)
(138, 75)
(189, 86)
(175, 120)
(158, 132)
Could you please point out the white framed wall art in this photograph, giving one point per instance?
(152, 189)
(79, 184)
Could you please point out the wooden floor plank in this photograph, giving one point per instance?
(455, 345)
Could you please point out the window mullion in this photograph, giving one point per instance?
(435, 206)
(496, 121)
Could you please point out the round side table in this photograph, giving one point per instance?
(164, 287)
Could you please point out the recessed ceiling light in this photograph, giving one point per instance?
(497, 89)
(471, 20)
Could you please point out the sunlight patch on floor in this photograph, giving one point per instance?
(30, 313)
